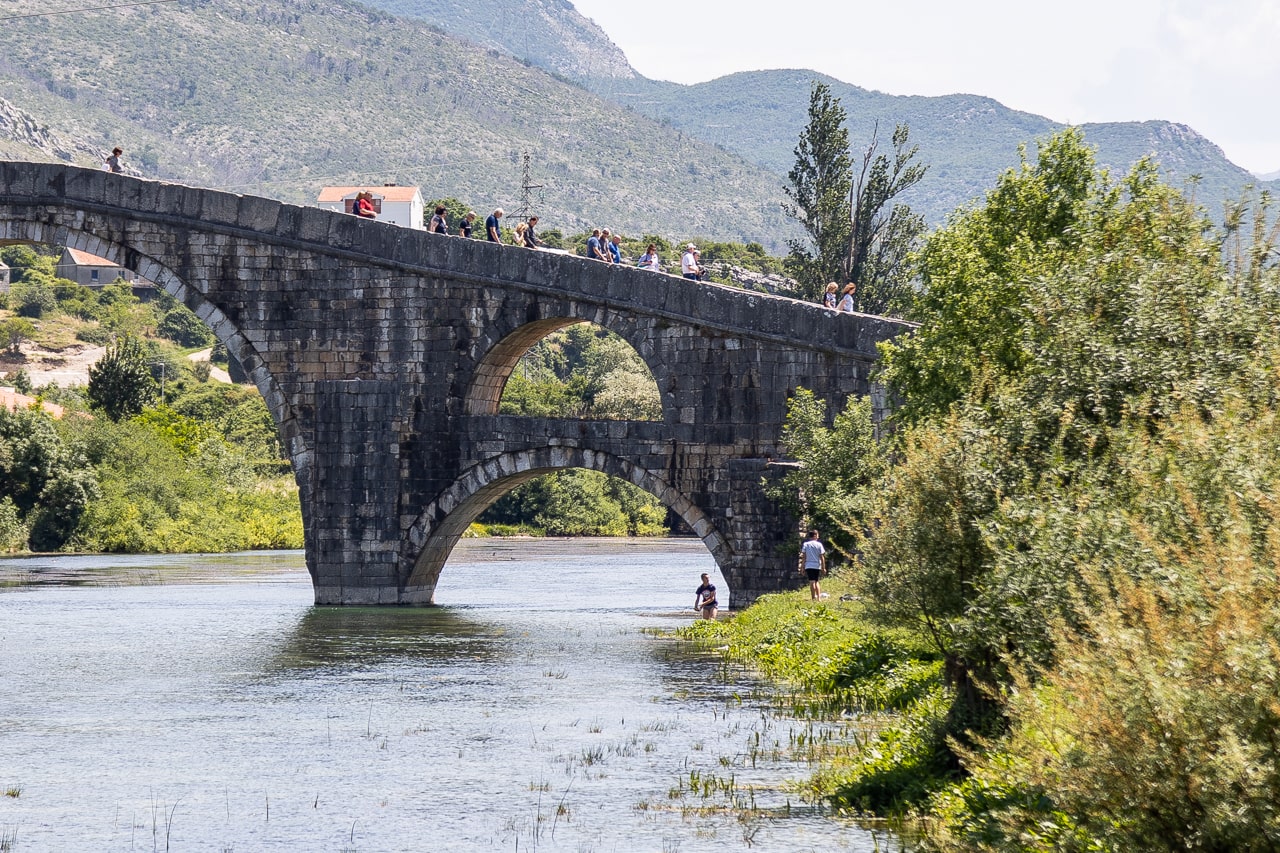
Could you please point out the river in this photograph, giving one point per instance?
(199, 703)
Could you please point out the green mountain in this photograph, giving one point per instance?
(966, 139)
(279, 98)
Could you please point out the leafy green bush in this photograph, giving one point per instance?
(182, 326)
(34, 297)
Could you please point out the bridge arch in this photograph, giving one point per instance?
(438, 529)
(227, 332)
(490, 376)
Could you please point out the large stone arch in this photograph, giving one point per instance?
(437, 530)
(226, 331)
(497, 363)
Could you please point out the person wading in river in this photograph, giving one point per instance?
(705, 598)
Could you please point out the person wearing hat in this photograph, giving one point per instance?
(689, 263)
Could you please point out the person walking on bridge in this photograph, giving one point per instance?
(829, 298)
(439, 224)
(813, 563)
(531, 240)
(491, 226)
(594, 250)
(846, 301)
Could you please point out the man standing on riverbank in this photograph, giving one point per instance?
(813, 559)
(705, 598)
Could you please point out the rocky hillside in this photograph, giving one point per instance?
(280, 97)
(23, 137)
(549, 34)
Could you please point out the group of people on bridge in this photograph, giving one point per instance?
(603, 245)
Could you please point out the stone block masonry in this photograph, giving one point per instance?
(382, 354)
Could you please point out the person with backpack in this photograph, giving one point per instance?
(650, 260)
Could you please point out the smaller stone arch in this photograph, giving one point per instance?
(490, 375)
(437, 530)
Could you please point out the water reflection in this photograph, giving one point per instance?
(348, 637)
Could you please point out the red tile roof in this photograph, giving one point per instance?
(12, 400)
(85, 259)
(332, 194)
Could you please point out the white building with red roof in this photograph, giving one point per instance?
(398, 205)
(93, 271)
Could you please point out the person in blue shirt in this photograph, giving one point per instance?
(813, 563)
(594, 250)
(615, 251)
(491, 226)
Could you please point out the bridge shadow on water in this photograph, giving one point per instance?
(363, 637)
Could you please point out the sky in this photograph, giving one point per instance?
(1211, 64)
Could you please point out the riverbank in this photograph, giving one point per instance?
(831, 662)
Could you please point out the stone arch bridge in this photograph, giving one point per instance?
(382, 353)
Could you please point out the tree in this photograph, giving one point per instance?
(881, 243)
(14, 331)
(184, 327)
(120, 384)
(819, 186)
(48, 485)
(854, 233)
(974, 274)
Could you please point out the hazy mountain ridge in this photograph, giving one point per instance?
(967, 140)
(279, 98)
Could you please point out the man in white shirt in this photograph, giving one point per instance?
(689, 264)
(813, 559)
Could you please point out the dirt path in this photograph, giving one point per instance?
(71, 366)
(66, 368)
(215, 373)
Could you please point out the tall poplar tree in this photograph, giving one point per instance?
(853, 232)
(818, 187)
(881, 242)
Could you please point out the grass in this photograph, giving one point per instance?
(869, 700)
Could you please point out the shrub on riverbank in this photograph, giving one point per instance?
(1076, 508)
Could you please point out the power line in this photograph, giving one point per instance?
(86, 9)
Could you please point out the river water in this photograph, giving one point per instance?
(203, 703)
